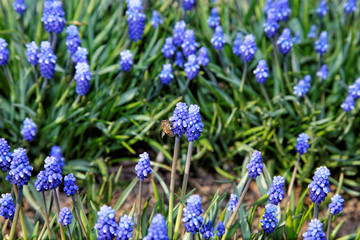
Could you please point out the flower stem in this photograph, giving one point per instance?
(23, 224)
(46, 216)
(243, 77)
(78, 215)
(266, 97)
(322, 114)
(139, 210)
(329, 227)
(292, 179)
(17, 210)
(62, 232)
(232, 218)
(22, 29)
(288, 85)
(277, 66)
(68, 228)
(172, 185)
(183, 190)
(44, 227)
(316, 210)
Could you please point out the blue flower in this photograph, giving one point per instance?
(134, 4)
(179, 60)
(194, 124)
(255, 165)
(282, 9)
(72, 39)
(302, 143)
(214, 18)
(297, 38)
(285, 42)
(322, 9)
(168, 48)
(203, 58)
(53, 16)
(314, 231)
(41, 184)
(166, 74)
(303, 86)
(126, 60)
(188, 4)
(192, 214)
(336, 205)
(319, 187)
(217, 39)
(248, 48)
(7, 206)
(70, 187)
(354, 89)
(82, 77)
(52, 172)
(232, 202)
(220, 229)
(269, 220)
(189, 44)
(207, 230)
(179, 118)
(65, 216)
(32, 53)
(157, 229)
(55, 151)
(276, 192)
(348, 104)
(20, 169)
(312, 32)
(19, 6)
(143, 167)
(125, 228)
(271, 25)
(136, 23)
(4, 52)
(237, 43)
(29, 129)
(261, 72)
(179, 32)
(192, 67)
(47, 60)
(155, 19)
(5, 155)
(80, 55)
(323, 72)
(350, 6)
(322, 44)
(269, 4)
(106, 224)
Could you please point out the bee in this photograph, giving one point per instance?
(166, 128)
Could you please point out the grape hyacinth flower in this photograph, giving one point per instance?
(302, 143)
(20, 169)
(7, 206)
(189, 44)
(336, 205)
(348, 104)
(5, 155)
(194, 123)
(55, 151)
(248, 48)
(261, 71)
(297, 38)
(285, 42)
(136, 23)
(269, 220)
(126, 60)
(41, 184)
(53, 16)
(155, 19)
(134, 4)
(178, 119)
(203, 58)
(312, 32)
(237, 43)
(32, 51)
(255, 165)
(143, 167)
(214, 18)
(276, 192)
(217, 39)
(47, 60)
(188, 4)
(20, 6)
(303, 86)
(319, 187)
(106, 224)
(354, 89)
(70, 187)
(233, 202)
(192, 67)
(166, 74)
(282, 9)
(271, 25)
(322, 9)
(220, 229)
(269, 4)
(314, 231)
(125, 228)
(29, 129)
(192, 214)
(207, 230)
(322, 44)
(179, 32)
(4, 52)
(323, 72)
(65, 217)
(53, 172)
(80, 56)
(82, 77)
(73, 40)
(157, 229)
(350, 6)
(179, 60)
(168, 48)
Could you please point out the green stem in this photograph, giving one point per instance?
(232, 218)
(68, 228)
(44, 227)
(316, 210)
(139, 210)
(78, 216)
(17, 211)
(186, 86)
(322, 114)
(62, 232)
(329, 227)
(23, 224)
(266, 97)
(288, 85)
(172, 185)
(243, 77)
(46, 216)
(292, 179)
(277, 66)
(22, 29)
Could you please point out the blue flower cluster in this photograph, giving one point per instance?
(179, 60)
(168, 48)
(192, 214)
(80, 55)
(178, 119)
(7, 206)
(20, 169)
(248, 48)
(207, 230)
(261, 71)
(232, 202)
(155, 19)
(20, 6)
(323, 72)
(82, 77)
(276, 192)
(53, 16)
(354, 89)
(303, 86)
(214, 19)
(220, 229)
(135, 19)
(255, 166)
(125, 228)
(4, 52)
(179, 33)
(70, 187)
(166, 74)
(41, 184)
(203, 58)
(271, 25)
(322, 9)
(279, 7)
(312, 32)
(336, 205)
(319, 187)
(269, 220)
(237, 43)
(188, 4)
(284, 42)
(192, 67)
(5, 155)
(65, 216)
(157, 229)
(189, 45)
(106, 224)
(55, 151)
(73, 40)
(194, 123)
(52, 172)
(350, 6)
(302, 143)
(143, 167)
(314, 231)
(322, 44)
(217, 39)
(47, 60)
(126, 60)
(32, 50)
(348, 104)
(29, 129)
